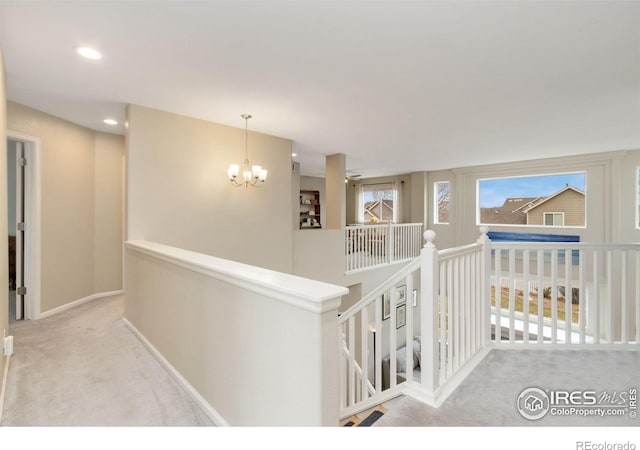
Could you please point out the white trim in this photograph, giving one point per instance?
(311, 295)
(3, 384)
(637, 205)
(80, 301)
(387, 185)
(32, 212)
(436, 215)
(561, 191)
(502, 170)
(414, 389)
(209, 410)
(544, 218)
(372, 401)
(558, 172)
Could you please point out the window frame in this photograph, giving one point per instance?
(534, 175)
(436, 209)
(391, 185)
(553, 214)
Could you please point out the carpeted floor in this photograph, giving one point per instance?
(83, 367)
(488, 396)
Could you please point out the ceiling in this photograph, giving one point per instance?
(398, 86)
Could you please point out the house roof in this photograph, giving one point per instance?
(560, 192)
(310, 71)
(387, 210)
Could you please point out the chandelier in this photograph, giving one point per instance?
(251, 175)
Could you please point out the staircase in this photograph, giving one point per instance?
(422, 331)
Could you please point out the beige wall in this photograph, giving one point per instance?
(257, 360)
(570, 202)
(179, 194)
(108, 210)
(4, 257)
(335, 172)
(69, 197)
(419, 203)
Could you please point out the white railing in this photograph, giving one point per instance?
(456, 334)
(565, 294)
(393, 342)
(453, 323)
(369, 330)
(281, 353)
(368, 246)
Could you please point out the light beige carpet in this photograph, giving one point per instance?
(83, 367)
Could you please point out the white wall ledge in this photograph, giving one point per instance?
(314, 296)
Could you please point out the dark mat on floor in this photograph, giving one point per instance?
(371, 418)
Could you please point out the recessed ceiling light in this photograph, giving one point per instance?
(88, 53)
(110, 122)
(294, 154)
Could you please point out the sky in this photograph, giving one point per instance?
(494, 192)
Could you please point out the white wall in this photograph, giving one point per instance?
(627, 230)
(179, 194)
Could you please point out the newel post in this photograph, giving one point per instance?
(486, 280)
(429, 313)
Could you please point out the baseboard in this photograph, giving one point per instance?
(452, 384)
(59, 309)
(209, 410)
(441, 394)
(3, 385)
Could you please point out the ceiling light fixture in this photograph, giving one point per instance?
(251, 175)
(294, 155)
(89, 53)
(110, 122)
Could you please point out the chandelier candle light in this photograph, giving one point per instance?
(251, 175)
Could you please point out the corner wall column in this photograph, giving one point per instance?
(336, 171)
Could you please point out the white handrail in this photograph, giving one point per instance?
(368, 246)
(457, 318)
(381, 289)
(583, 292)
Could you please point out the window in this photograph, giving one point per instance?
(378, 203)
(557, 200)
(554, 219)
(442, 194)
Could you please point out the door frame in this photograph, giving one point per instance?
(32, 215)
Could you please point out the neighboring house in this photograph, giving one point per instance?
(511, 212)
(564, 208)
(379, 210)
